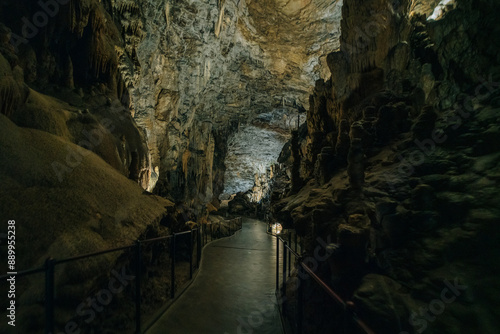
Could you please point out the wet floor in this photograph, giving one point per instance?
(234, 290)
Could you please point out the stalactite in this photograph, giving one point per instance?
(218, 26)
(167, 14)
(127, 7)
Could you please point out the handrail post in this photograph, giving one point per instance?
(284, 264)
(172, 268)
(138, 265)
(284, 276)
(191, 255)
(277, 263)
(198, 249)
(300, 298)
(296, 242)
(289, 253)
(49, 295)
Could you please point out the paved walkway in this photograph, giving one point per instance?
(234, 290)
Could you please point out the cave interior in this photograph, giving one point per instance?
(368, 128)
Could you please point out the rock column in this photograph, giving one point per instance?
(324, 165)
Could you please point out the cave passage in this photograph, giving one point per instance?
(234, 290)
(368, 129)
(251, 152)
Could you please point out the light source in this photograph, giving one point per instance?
(276, 228)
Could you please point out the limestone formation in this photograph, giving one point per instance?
(217, 63)
(122, 120)
(409, 113)
(324, 165)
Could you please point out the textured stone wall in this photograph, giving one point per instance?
(406, 128)
(187, 72)
(194, 68)
(61, 76)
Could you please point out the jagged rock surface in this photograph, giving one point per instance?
(205, 67)
(414, 214)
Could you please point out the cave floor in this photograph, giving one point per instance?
(234, 290)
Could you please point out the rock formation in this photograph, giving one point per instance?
(395, 162)
(207, 67)
(409, 87)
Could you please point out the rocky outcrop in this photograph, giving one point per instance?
(94, 208)
(241, 204)
(75, 92)
(405, 109)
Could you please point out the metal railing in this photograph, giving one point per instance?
(198, 238)
(283, 274)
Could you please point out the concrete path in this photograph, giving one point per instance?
(234, 290)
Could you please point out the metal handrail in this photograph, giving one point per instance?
(24, 273)
(323, 285)
(80, 257)
(289, 247)
(362, 325)
(50, 264)
(158, 239)
(182, 233)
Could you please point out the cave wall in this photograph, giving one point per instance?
(393, 50)
(186, 71)
(397, 168)
(373, 50)
(217, 64)
(74, 163)
(63, 78)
